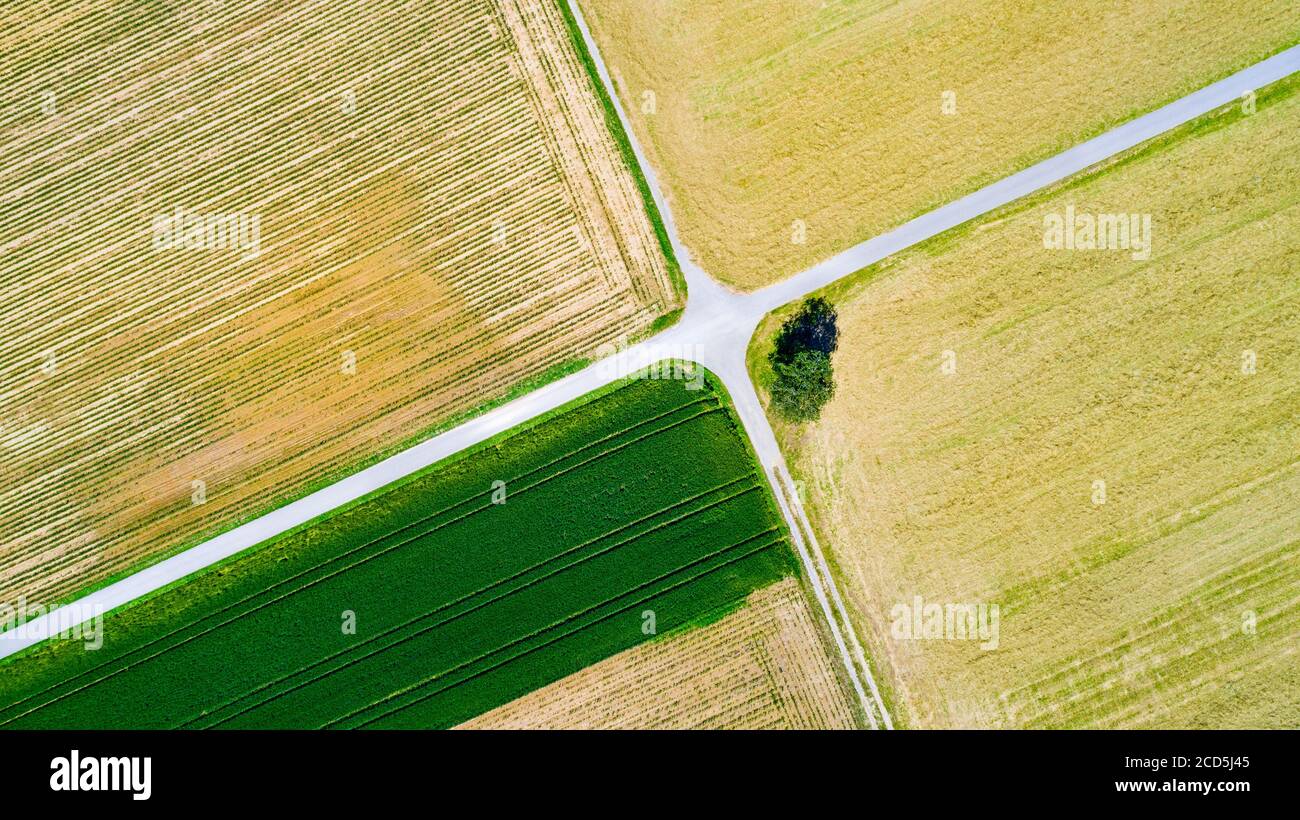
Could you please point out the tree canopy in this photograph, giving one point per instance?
(801, 361)
(812, 328)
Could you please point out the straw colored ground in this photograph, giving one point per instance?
(1176, 601)
(764, 666)
(443, 214)
(831, 113)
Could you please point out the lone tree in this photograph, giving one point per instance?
(812, 328)
(801, 360)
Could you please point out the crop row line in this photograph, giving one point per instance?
(480, 605)
(361, 547)
(657, 592)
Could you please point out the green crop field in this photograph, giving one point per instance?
(644, 499)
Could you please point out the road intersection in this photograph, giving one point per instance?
(715, 330)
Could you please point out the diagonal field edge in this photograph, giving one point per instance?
(702, 561)
(369, 644)
(353, 551)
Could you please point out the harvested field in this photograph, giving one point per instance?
(386, 220)
(762, 667)
(1105, 447)
(762, 113)
(643, 507)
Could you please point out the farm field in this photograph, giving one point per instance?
(643, 502)
(763, 666)
(785, 131)
(248, 248)
(1105, 447)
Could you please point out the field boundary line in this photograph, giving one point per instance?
(797, 505)
(467, 596)
(661, 591)
(329, 563)
(814, 579)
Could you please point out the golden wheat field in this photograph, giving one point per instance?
(1105, 447)
(764, 666)
(248, 246)
(785, 131)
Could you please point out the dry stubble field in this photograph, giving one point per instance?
(441, 210)
(1175, 602)
(764, 666)
(770, 111)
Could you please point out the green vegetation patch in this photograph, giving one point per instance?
(619, 133)
(470, 584)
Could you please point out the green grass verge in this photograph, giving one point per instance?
(620, 135)
(646, 498)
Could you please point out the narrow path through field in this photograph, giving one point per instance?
(715, 330)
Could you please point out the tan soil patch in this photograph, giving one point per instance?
(1174, 603)
(761, 667)
(437, 194)
(831, 113)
